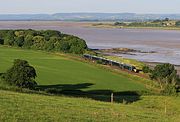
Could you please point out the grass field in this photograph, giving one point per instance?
(133, 62)
(32, 107)
(62, 72)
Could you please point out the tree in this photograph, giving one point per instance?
(39, 42)
(49, 40)
(21, 74)
(28, 41)
(19, 41)
(165, 74)
(9, 38)
(50, 45)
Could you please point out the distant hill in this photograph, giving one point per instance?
(89, 16)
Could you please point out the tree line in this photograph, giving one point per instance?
(49, 40)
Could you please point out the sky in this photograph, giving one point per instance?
(98, 6)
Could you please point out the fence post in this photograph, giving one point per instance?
(112, 97)
(165, 106)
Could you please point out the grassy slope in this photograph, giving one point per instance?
(55, 70)
(33, 107)
(133, 62)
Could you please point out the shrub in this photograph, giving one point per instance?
(170, 90)
(146, 69)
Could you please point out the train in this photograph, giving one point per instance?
(106, 61)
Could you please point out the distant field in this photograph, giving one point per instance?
(32, 107)
(62, 72)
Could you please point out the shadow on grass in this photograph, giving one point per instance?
(1, 73)
(75, 90)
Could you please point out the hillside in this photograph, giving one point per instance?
(32, 107)
(59, 71)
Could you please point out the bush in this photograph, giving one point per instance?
(170, 90)
(146, 69)
(21, 74)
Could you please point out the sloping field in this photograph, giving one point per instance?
(33, 107)
(62, 72)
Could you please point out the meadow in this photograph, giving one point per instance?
(65, 71)
(32, 107)
(59, 71)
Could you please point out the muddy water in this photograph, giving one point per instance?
(165, 42)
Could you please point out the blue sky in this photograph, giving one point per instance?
(104, 6)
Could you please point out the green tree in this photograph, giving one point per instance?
(165, 74)
(9, 38)
(21, 74)
(19, 41)
(19, 33)
(28, 41)
(38, 42)
(50, 45)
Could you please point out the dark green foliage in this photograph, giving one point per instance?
(9, 38)
(38, 42)
(28, 41)
(146, 69)
(167, 77)
(49, 40)
(19, 41)
(165, 73)
(1, 41)
(21, 74)
(50, 33)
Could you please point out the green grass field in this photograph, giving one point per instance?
(61, 71)
(64, 72)
(32, 107)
